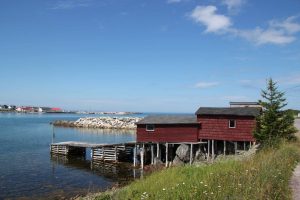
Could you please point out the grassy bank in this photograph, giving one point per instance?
(265, 176)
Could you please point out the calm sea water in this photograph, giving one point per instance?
(28, 171)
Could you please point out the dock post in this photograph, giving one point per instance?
(224, 151)
(142, 156)
(208, 149)
(116, 154)
(166, 154)
(191, 154)
(152, 154)
(53, 134)
(134, 155)
(244, 146)
(157, 151)
(213, 149)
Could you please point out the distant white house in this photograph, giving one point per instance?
(19, 109)
(40, 110)
(299, 115)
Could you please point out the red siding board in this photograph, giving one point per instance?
(216, 127)
(168, 133)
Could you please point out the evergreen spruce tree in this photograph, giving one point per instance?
(274, 123)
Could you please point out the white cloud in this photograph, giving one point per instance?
(265, 36)
(233, 4)
(289, 25)
(69, 4)
(277, 32)
(207, 16)
(206, 84)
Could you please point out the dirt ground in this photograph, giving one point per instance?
(295, 181)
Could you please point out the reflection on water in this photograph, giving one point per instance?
(119, 173)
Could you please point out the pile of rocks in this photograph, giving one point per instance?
(101, 122)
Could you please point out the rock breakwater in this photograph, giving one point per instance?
(101, 122)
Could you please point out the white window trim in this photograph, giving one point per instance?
(150, 130)
(234, 123)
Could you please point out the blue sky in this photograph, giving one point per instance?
(154, 56)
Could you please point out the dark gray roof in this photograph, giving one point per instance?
(169, 119)
(239, 111)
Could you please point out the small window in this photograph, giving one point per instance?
(150, 127)
(232, 123)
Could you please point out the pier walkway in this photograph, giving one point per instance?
(99, 152)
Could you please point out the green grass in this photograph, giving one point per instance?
(264, 176)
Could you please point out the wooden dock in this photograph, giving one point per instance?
(99, 152)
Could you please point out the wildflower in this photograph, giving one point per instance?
(205, 185)
(219, 186)
(183, 183)
(164, 189)
(201, 182)
(211, 193)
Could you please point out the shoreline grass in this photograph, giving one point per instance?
(264, 176)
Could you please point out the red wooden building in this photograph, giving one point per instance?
(220, 129)
(229, 124)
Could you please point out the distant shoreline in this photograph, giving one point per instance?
(74, 112)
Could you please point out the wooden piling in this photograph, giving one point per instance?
(191, 154)
(152, 154)
(166, 154)
(142, 156)
(213, 149)
(208, 149)
(134, 156)
(157, 151)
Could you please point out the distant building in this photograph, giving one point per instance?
(56, 109)
(299, 115)
(244, 104)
